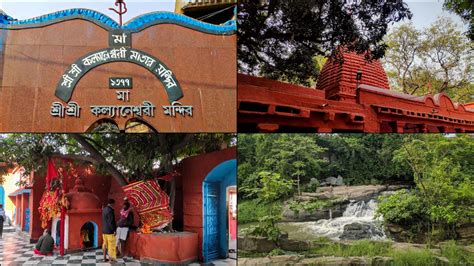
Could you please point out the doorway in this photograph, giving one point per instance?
(89, 235)
(215, 210)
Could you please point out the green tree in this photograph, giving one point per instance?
(443, 169)
(296, 156)
(464, 9)
(270, 188)
(279, 39)
(436, 59)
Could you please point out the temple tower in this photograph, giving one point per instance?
(340, 79)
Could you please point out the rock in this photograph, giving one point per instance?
(255, 261)
(255, 244)
(333, 181)
(295, 245)
(331, 260)
(289, 215)
(466, 233)
(284, 259)
(356, 231)
(468, 249)
(397, 187)
(381, 261)
(400, 234)
(441, 260)
(400, 246)
(435, 251)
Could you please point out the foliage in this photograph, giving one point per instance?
(306, 157)
(402, 207)
(363, 158)
(250, 210)
(444, 174)
(276, 252)
(292, 156)
(464, 9)
(270, 188)
(436, 59)
(279, 39)
(136, 156)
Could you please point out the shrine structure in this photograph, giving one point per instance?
(76, 69)
(354, 96)
(205, 214)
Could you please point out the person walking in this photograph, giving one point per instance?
(3, 218)
(124, 224)
(108, 231)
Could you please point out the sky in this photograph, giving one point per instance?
(424, 12)
(24, 9)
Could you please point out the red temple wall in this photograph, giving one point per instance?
(35, 59)
(194, 170)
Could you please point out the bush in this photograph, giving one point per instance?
(402, 207)
(249, 210)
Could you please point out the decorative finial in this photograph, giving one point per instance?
(122, 9)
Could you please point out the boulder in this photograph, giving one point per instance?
(333, 181)
(466, 233)
(294, 245)
(401, 246)
(255, 261)
(255, 244)
(356, 231)
(284, 259)
(289, 215)
(382, 261)
(331, 260)
(441, 260)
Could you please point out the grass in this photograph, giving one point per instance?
(359, 248)
(456, 255)
(412, 258)
(249, 211)
(367, 248)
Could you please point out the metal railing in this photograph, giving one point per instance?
(199, 3)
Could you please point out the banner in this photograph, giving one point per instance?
(151, 203)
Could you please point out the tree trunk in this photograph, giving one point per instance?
(95, 154)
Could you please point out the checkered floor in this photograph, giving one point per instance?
(16, 251)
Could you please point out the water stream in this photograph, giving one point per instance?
(360, 212)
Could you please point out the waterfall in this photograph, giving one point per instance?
(358, 215)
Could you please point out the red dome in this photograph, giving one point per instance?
(339, 80)
(81, 199)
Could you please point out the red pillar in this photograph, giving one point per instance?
(24, 206)
(18, 209)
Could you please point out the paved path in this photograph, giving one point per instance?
(14, 250)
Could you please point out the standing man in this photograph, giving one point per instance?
(108, 231)
(3, 217)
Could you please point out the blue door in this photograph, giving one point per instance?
(27, 220)
(2, 196)
(211, 221)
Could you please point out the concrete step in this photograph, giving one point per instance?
(8, 229)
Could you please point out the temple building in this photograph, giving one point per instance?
(78, 70)
(354, 96)
(204, 217)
